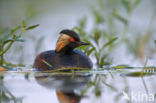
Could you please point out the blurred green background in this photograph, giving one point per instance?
(133, 22)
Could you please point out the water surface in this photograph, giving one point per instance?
(96, 86)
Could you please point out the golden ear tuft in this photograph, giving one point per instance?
(62, 42)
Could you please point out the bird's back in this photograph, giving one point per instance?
(50, 60)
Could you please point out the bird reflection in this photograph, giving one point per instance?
(68, 87)
(68, 97)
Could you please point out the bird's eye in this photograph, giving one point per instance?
(72, 40)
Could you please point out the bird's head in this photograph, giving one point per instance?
(68, 40)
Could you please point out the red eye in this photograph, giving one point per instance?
(72, 40)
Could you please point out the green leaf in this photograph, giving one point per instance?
(20, 40)
(98, 16)
(23, 23)
(97, 36)
(127, 5)
(97, 91)
(102, 62)
(6, 49)
(12, 40)
(109, 43)
(120, 18)
(122, 67)
(15, 29)
(82, 47)
(82, 22)
(4, 38)
(155, 41)
(90, 51)
(32, 27)
(47, 63)
(136, 2)
(92, 83)
(96, 52)
(137, 74)
(13, 65)
(79, 30)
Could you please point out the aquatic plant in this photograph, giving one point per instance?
(104, 34)
(7, 40)
(5, 95)
(96, 37)
(104, 37)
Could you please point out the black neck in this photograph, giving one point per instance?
(66, 50)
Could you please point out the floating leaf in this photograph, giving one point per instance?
(32, 27)
(137, 74)
(69, 68)
(122, 67)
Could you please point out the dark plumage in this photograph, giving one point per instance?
(71, 33)
(65, 54)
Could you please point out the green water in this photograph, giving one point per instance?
(96, 86)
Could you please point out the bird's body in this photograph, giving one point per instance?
(65, 55)
(76, 58)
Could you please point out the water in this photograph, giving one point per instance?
(97, 86)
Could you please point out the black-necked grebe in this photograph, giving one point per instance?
(65, 55)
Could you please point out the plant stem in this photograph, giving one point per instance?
(7, 48)
(1, 61)
(4, 51)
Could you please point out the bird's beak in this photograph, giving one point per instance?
(83, 43)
